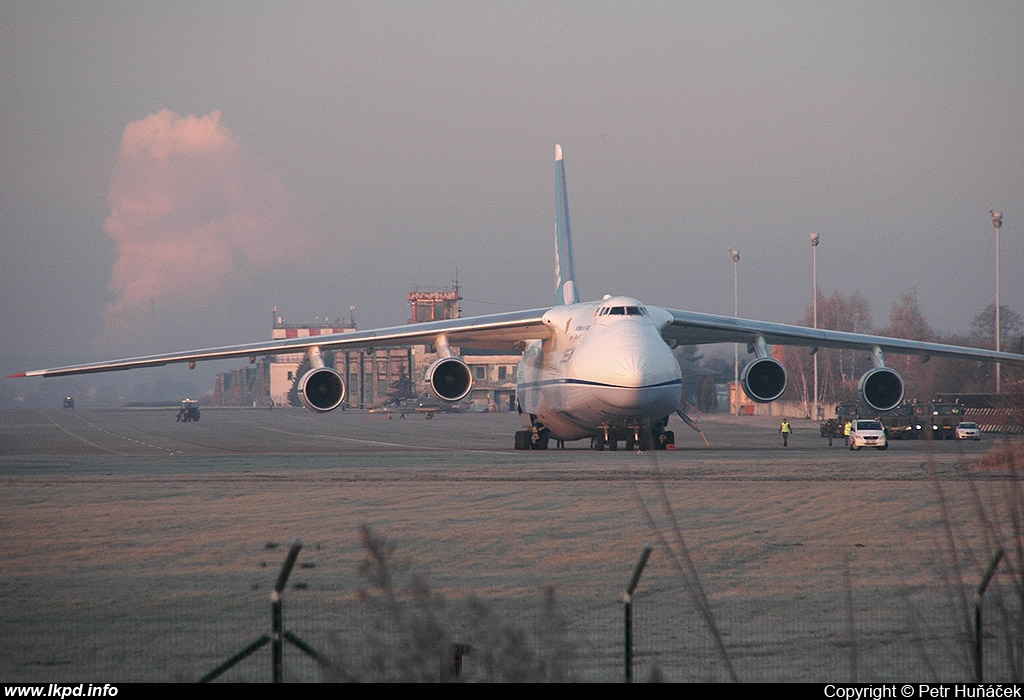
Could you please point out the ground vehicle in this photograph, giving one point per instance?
(941, 417)
(911, 420)
(69, 402)
(867, 433)
(189, 411)
(898, 423)
(428, 406)
(844, 412)
(965, 430)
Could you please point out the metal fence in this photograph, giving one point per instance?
(164, 633)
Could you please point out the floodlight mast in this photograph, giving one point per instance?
(814, 279)
(735, 346)
(997, 223)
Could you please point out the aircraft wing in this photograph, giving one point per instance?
(691, 328)
(502, 331)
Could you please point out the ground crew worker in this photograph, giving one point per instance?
(830, 430)
(846, 432)
(785, 429)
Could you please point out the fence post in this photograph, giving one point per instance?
(627, 598)
(978, 593)
(278, 635)
(277, 613)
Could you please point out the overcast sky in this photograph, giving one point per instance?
(171, 172)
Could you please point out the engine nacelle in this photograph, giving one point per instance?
(881, 388)
(321, 389)
(764, 379)
(450, 379)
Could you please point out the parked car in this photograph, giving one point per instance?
(867, 433)
(968, 431)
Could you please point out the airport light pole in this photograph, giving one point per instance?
(814, 279)
(997, 223)
(735, 346)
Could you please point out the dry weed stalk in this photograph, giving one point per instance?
(679, 555)
(418, 636)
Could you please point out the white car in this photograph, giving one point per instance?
(867, 433)
(968, 431)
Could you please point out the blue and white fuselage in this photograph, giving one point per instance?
(604, 366)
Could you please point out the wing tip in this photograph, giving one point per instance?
(558, 152)
(16, 375)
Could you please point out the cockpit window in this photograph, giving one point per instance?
(621, 311)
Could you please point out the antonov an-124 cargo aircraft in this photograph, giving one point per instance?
(600, 370)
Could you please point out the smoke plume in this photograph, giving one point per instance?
(191, 211)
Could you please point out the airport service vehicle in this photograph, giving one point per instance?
(867, 433)
(428, 406)
(845, 411)
(937, 420)
(601, 370)
(897, 422)
(967, 430)
(189, 412)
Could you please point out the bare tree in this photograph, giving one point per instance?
(906, 320)
(837, 369)
(984, 325)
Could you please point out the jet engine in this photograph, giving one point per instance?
(881, 388)
(764, 379)
(321, 389)
(450, 379)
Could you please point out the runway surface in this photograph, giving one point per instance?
(138, 548)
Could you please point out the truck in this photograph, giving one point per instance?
(937, 420)
(898, 423)
(911, 420)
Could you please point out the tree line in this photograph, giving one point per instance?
(840, 370)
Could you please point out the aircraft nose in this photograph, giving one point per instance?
(632, 370)
(628, 374)
(636, 378)
(625, 381)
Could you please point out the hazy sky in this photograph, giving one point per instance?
(173, 171)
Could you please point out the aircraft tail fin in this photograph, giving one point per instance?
(565, 274)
